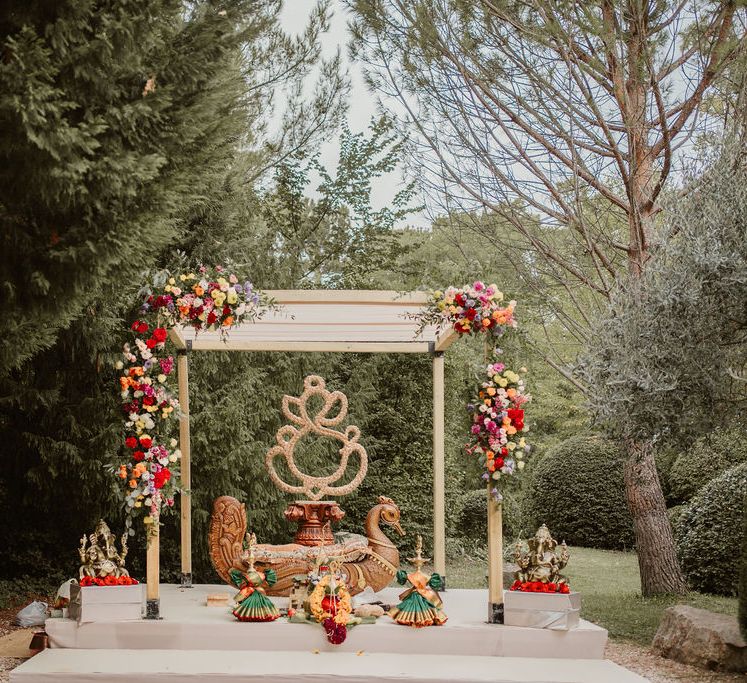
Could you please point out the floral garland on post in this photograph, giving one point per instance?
(210, 299)
(497, 410)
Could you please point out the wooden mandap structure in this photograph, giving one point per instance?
(332, 321)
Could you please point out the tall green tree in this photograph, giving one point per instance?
(120, 123)
(574, 111)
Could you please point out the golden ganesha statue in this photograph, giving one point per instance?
(372, 560)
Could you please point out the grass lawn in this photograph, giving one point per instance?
(610, 590)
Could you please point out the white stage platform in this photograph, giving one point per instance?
(188, 624)
(210, 666)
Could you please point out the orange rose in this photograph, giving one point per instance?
(133, 483)
(228, 321)
(198, 290)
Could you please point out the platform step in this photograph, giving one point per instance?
(221, 666)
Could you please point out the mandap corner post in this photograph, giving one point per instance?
(185, 505)
(152, 559)
(439, 476)
(495, 558)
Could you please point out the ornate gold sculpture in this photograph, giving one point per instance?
(544, 560)
(321, 423)
(370, 561)
(100, 558)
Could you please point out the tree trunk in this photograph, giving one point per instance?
(657, 558)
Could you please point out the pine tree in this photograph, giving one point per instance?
(119, 122)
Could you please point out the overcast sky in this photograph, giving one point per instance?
(362, 105)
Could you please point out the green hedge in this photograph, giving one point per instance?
(577, 489)
(710, 534)
(472, 516)
(709, 457)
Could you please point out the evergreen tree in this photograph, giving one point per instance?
(119, 123)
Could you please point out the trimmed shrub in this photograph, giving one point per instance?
(472, 516)
(707, 459)
(577, 489)
(709, 535)
(676, 515)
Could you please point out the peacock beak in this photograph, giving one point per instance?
(396, 526)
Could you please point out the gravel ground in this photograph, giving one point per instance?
(646, 663)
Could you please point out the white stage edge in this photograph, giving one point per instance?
(210, 666)
(188, 624)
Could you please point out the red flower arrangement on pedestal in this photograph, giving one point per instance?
(540, 587)
(108, 581)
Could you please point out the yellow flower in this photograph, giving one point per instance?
(172, 281)
(148, 520)
(232, 297)
(182, 277)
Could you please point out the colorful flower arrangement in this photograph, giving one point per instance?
(205, 300)
(473, 309)
(496, 435)
(108, 581)
(330, 604)
(540, 587)
(498, 428)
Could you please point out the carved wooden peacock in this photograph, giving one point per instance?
(372, 560)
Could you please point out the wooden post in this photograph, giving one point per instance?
(185, 504)
(152, 558)
(495, 558)
(439, 476)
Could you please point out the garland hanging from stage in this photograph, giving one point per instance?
(498, 426)
(205, 300)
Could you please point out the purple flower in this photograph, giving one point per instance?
(247, 287)
(238, 289)
(485, 476)
(470, 408)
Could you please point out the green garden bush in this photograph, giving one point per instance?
(709, 535)
(708, 458)
(743, 576)
(577, 489)
(472, 516)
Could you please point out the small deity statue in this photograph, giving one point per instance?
(421, 605)
(252, 603)
(98, 554)
(543, 561)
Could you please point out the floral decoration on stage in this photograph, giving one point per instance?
(330, 604)
(108, 581)
(497, 432)
(205, 300)
(498, 426)
(472, 309)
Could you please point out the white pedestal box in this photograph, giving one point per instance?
(554, 611)
(105, 603)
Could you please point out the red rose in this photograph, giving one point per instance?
(148, 400)
(211, 318)
(498, 463)
(564, 588)
(131, 442)
(516, 415)
(226, 310)
(137, 456)
(151, 343)
(470, 314)
(160, 478)
(133, 327)
(459, 300)
(142, 328)
(146, 441)
(159, 334)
